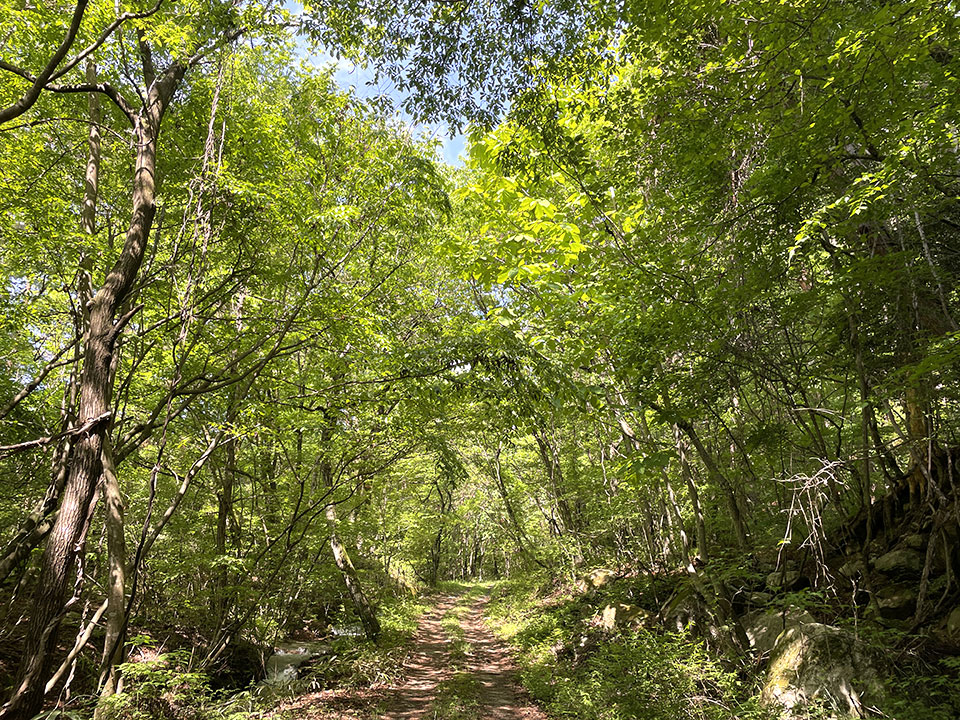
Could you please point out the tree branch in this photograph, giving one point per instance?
(8, 450)
(27, 100)
(102, 88)
(108, 31)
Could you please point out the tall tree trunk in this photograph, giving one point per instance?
(919, 442)
(65, 546)
(224, 576)
(551, 463)
(520, 534)
(40, 522)
(866, 489)
(687, 474)
(718, 477)
(368, 617)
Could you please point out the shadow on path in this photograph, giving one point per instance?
(488, 661)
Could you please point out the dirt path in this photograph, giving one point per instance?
(487, 662)
(479, 683)
(490, 662)
(425, 668)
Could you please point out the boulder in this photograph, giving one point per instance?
(787, 580)
(815, 662)
(239, 665)
(283, 666)
(758, 599)
(599, 578)
(915, 541)
(853, 569)
(953, 624)
(897, 602)
(679, 611)
(763, 627)
(901, 562)
(622, 615)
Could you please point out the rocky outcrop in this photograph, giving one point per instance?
(916, 541)
(679, 612)
(758, 599)
(897, 602)
(953, 624)
(814, 662)
(853, 569)
(763, 627)
(599, 578)
(902, 562)
(787, 580)
(621, 615)
(283, 666)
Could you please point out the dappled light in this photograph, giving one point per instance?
(647, 408)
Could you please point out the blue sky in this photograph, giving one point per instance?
(361, 79)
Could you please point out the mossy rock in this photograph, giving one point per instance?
(763, 627)
(621, 615)
(814, 663)
(787, 580)
(901, 562)
(599, 578)
(897, 602)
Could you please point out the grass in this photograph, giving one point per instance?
(458, 698)
(576, 671)
(452, 620)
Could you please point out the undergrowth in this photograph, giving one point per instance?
(354, 664)
(168, 687)
(576, 671)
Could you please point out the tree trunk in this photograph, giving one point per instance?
(368, 618)
(551, 464)
(718, 477)
(224, 575)
(117, 578)
(694, 496)
(64, 550)
(520, 534)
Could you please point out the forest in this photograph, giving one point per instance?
(649, 407)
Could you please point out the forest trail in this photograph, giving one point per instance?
(492, 666)
(426, 665)
(485, 670)
(456, 669)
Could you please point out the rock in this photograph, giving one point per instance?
(598, 578)
(819, 662)
(915, 541)
(239, 665)
(953, 624)
(900, 562)
(349, 631)
(787, 580)
(897, 602)
(679, 612)
(853, 569)
(764, 627)
(620, 615)
(757, 599)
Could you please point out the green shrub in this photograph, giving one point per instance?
(575, 671)
(160, 689)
